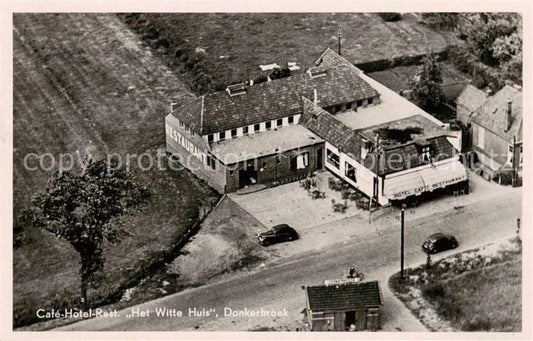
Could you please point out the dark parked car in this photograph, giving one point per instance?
(279, 233)
(439, 242)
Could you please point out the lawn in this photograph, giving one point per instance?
(217, 49)
(84, 84)
(478, 290)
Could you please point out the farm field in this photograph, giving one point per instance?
(221, 49)
(84, 84)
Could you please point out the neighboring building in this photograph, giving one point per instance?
(497, 132)
(327, 117)
(344, 306)
(470, 99)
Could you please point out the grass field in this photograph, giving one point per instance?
(473, 291)
(227, 48)
(84, 84)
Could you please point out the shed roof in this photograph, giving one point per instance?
(344, 297)
(266, 101)
(471, 97)
(492, 115)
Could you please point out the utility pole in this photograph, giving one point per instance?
(401, 256)
(339, 34)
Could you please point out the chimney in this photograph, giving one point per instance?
(315, 98)
(509, 114)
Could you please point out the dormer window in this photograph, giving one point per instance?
(236, 89)
(317, 72)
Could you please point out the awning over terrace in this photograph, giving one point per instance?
(425, 180)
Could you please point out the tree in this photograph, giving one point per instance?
(280, 73)
(427, 92)
(390, 16)
(83, 209)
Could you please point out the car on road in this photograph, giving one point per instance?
(438, 242)
(278, 234)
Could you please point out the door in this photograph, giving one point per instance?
(247, 177)
(319, 158)
(350, 319)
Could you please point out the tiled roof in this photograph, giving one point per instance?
(344, 296)
(407, 156)
(275, 99)
(331, 129)
(492, 115)
(471, 97)
(191, 114)
(330, 58)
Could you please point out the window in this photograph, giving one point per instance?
(481, 137)
(231, 173)
(264, 164)
(338, 108)
(360, 103)
(245, 130)
(348, 106)
(425, 154)
(349, 171)
(278, 160)
(370, 100)
(257, 127)
(332, 158)
(291, 119)
(210, 138)
(279, 122)
(233, 132)
(268, 125)
(222, 135)
(210, 162)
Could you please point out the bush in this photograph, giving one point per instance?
(434, 291)
(392, 16)
(503, 178)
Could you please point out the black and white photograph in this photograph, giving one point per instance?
(282, 169)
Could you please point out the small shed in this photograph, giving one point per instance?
(344, 307)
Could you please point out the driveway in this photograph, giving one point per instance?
(319, 226)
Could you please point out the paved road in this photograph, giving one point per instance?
(278, 285)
